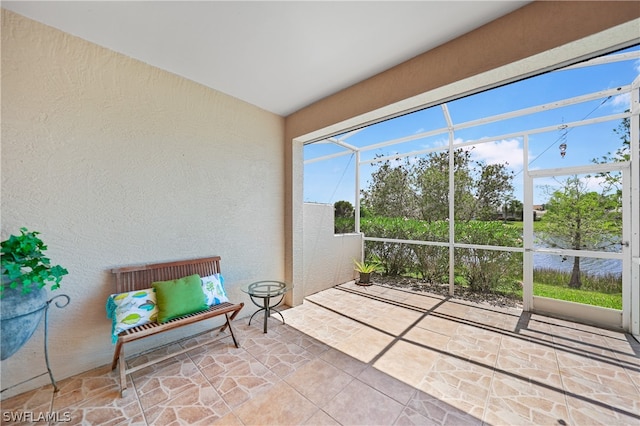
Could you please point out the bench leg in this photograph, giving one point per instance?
(228, 324)
(122, 368)
(116, 355)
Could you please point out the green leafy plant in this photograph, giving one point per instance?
(25, 264)
(365, 267)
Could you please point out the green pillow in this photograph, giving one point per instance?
(179, 297)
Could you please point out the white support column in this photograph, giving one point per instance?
(527, 227)
(627, 266)
(634, 136)
(452, 192)
(357, 199)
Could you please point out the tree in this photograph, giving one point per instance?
(624, 133)
(432, 187)
(580, 219)
(493, 187)
(390, 191)
(623, 153)
(343, 209)
(514, 209)
(343, 222)
(420, 190)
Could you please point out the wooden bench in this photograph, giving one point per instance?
(135, 278)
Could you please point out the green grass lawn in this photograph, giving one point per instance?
(613, 301)
(537, 225)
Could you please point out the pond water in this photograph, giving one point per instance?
(588, 265)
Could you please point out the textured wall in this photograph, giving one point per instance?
(328, 258)
(118, 163)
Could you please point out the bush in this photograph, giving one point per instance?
(395, 258)
(486, 270)
(344, 225)
(432, 262)
(482, 270)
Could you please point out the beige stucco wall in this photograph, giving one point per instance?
(328, 257)
(118, 163)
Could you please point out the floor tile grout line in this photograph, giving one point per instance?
(442, 315)
(564, 388)
(534, 381)
(485, 409)
(143, 412)
(577, 327)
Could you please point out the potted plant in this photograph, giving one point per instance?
(25, 272)
(365, 269)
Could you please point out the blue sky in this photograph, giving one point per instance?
(333, 180)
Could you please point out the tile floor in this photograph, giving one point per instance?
(355, 355)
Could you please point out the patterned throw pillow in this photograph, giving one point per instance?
(128, 310)
(213, 287)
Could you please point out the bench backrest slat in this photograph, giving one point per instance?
(139, 277)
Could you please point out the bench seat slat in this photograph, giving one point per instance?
(149, 329)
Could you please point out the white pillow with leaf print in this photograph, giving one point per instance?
(213, 287)
(128, 310)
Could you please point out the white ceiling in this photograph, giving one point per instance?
(280, 56)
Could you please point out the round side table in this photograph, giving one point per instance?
(264, 291)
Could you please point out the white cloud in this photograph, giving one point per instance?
(508, 151)
(621, 102)
(592, 183)
(597, 184)
(441, 142)
(636, 66)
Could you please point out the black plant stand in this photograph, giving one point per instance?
(59, 304)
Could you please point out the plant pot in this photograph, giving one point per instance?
(365, 278)
(20, 315)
